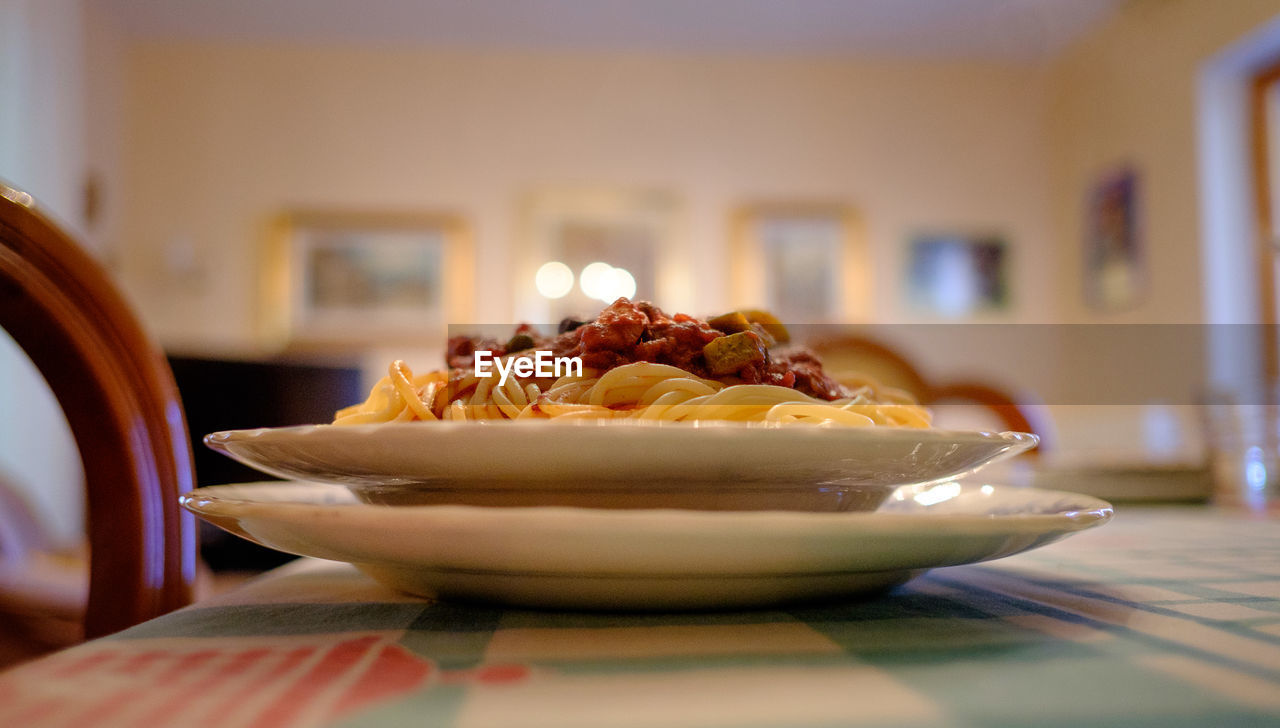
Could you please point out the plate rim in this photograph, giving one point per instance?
(632, 550)
(1026, 440)
(1097, 512)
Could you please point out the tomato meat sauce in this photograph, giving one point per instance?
(637, 331)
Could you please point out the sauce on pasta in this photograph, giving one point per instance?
(639, 363)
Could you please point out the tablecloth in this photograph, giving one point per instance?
(1165, 617)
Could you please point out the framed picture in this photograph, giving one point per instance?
(804, 262)
(1114, 272)
(585, 247)
(357, 278)
(955, 275)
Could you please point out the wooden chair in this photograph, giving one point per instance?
(853, 360)
(120, 400)
(1010, 413)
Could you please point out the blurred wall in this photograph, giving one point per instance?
(42, 106)
(1127, 94)
(42, 151)
(105, 138)
(222, 136)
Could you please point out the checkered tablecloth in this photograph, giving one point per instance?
(1161, 618)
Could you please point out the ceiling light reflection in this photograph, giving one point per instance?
(554, 279)
(596, 279)
(622, 285)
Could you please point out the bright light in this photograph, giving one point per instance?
(554, 279)
(603, 282)
(1255, 470)
(938, 494)
(596, 280)
(621, 285)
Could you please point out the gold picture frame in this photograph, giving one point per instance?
(348, 279)
(807, 262)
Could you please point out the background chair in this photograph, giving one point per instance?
(853, 360)
(119, 398)
(856, 360)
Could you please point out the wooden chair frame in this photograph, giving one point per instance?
(120, 400)
(1013, 415)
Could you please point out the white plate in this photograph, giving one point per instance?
(647, 559)
(709, 466)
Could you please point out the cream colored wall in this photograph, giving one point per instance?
(221, 137)
(1127, 94)
(42, 151)
(105, 140)
(42, 110)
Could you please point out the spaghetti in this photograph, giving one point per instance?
(760, 391)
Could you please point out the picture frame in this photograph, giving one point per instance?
(350, 279)
(956, 275)
(637, 230)
(1115, 275)
(806, 262)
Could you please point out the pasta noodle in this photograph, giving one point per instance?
(641, 391)
(634, 362)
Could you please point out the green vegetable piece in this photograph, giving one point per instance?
(730, 323)
(728, 354)
(519, 342)
(765, 336)
(770, 323)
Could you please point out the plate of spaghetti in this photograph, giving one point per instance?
(634, 409)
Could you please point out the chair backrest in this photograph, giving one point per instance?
(854, 360)
(1011, 414)
(850, 359)
(119, 398)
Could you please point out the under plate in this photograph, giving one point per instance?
(647, 559)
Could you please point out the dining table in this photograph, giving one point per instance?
(1166, 616)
